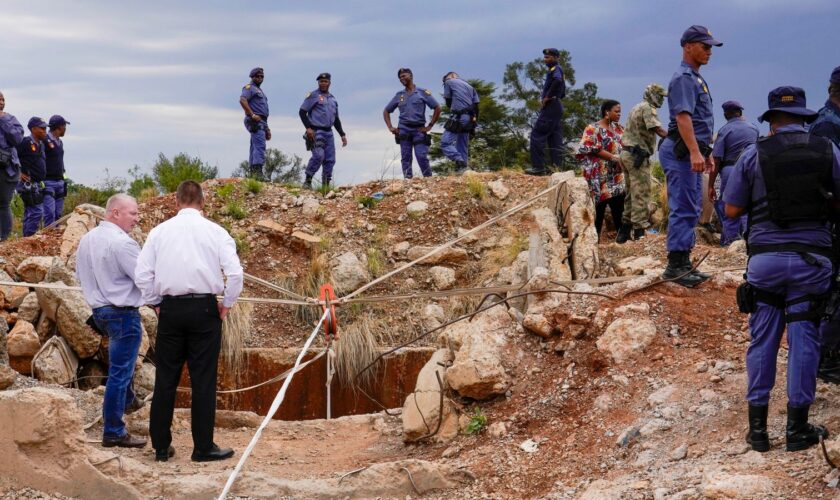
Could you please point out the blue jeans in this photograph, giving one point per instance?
(684, 199)
(123, 328)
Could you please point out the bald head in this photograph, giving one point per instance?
(121, 209)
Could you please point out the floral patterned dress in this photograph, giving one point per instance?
(606, 178)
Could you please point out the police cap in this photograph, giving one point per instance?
(57, 121)
(700, 34)
(254, 72)
(551, 52)
(36, 122)
(835, 75)
(732, 106)
(324, 76)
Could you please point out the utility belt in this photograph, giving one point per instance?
(454, 124)
(254, 126)
(5, 158)
(639, 155)
(681, 150)
(409, 136)
(313, 142)
(31, 194)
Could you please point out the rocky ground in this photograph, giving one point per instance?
(639, 395)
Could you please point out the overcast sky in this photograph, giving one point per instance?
(152, 77)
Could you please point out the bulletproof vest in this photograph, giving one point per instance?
(54, 151)
(797, 171)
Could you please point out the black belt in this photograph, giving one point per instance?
(789, 247)
(122, 308)
(463, 112)
(55, 178)
(189, 296)
(325, 129)
(413, 125)
(728, 163)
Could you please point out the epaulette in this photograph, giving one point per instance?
(308, 94)
(428, 92)
(247, 86)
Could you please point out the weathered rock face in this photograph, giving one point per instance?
(637, 265)
(71, 316)
(422, 408)
(477, 371)
(34, 269)
(22, 340)
(552, 242)
(45, 328)
(433, 316)
(498, 189)
(16, 293)
(49, 300)
(446, 256)
(58, 272)
(84, 218)
(150, 322)
(625, 337)
(417, 208)
(6, 291)
(144, 380)
(348, 272)
(57, 362)
(7, 376)
(29, 309)
(576, 209)
(443, 277)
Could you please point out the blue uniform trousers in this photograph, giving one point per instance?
(411, 139)
(548, 130)
(731, 229)
(323, 154)
(33, 215)
(456, 145)
(123, 327)
(256, 155)
(684, 199)
(788, 274)
(53, 201)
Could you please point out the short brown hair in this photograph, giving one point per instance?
(189, 193)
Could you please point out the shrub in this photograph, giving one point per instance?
(478, 421)
(224, 192)
(476, 188)
(253, 186)
(235, 209)
(168, 174)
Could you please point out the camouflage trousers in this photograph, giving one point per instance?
(637, 201)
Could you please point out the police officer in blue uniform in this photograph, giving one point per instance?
(319, 114)
(255, 104)
(548, 129)
(827, 123)
(685, 152)
(55, 187)
(731, 140)
(462, 101)
(412, 132)
(788, 183)
(33, 171)
(11, 134)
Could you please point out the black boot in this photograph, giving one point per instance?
(460, 167)
(257, 172)
(325, 183)
(757, 435)
(623, 234)
(638, 234)
(538, 171)
(829, 370)
(307, 184)
(687, 263)
(800, 434)
(677, 267)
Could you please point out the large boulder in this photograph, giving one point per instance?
(144, 380)
(721, 485)
(625, 337)
(348, 273)
(7, 376)
(71, 318)
(477, 371)
(446, 256)
(422, 409)
(629, 266)
(29, 309)
(34, 269)
(58, 272)
(556, 250)
(45, 328)
(84, 218)
(6, 292)
(574, 206)
(23, 344)
(57, 363)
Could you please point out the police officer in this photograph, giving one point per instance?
(639, 142)
(255, 104)
(412, 132)
(827, 123)
(684, 153)
(731, 140)
(785, 181)
(33, 170)
(462, 101)
(548, 129)
(55, 187)
(319, 114)
(11, 134)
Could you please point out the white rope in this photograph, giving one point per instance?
(330, 373)
(275, 405)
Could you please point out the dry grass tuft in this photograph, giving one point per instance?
(309, 285)
(356, 348)
(662, 201)
(236, 330)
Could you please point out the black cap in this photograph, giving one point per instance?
(324, 76)
(404, 70)
(700, 34)
(551, 52)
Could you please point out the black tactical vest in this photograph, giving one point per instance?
(797, 171)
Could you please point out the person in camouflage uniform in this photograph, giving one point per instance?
(639, 141)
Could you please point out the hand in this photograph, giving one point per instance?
(393, 130)
(343, 140)
(256, 117)
(710, 165)
(712, 194)
(310, 133)
(268, 135)
(223, 311)
(545, 102)
(157, 310)
(617, 160)
(698, 163)
(24, 177)
(425, 130)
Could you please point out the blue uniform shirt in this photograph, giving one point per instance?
(827, 123)
(689, 93)
(11, 133)
(321, 107)
(555, 84)
(732, 138)
(412, 106)
(463, 95)
(256, 99)
(32, 160)
(746, 184)
(55, 158)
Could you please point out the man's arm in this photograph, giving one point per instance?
(340, 129)
(126, 255)
(144, 273)
(232, 270)
(712, 176)
(248, 112)
(435, 116)
(387, 116)
(686, 128)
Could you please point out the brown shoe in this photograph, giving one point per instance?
(127, 441)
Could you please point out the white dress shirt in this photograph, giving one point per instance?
(188, 254)
(105, 263)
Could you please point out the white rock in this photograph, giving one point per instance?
(311, 207)
(737, 247)
(443, 277)
(634, 308)
(29, 309)
(662, 395)
(720, 485)
(529, 446)
(626, 337)
(498, 189)
(417, 208)
(433, 316)
(497, 429)
(348, 272)
(636, 265)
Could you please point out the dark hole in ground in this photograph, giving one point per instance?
(306, 397)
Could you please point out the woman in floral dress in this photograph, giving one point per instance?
(598, 154)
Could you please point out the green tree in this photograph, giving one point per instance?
(169, 173)
(142, 184)
(279, 167)
(522, 84)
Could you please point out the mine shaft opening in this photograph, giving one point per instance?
(306, 398)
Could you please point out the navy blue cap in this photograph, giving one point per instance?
(324, 76)
(551, 52)
(700, 34)
(57, 121)
(835, 75)
(404, 70)
(788, 100)
(732, 106)
(255, 71)
(36, 121)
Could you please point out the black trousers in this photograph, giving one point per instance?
(189, 330)
(616, 204)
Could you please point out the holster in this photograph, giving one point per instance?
(310, 143)
(748, 296)
(681, 150)
(31, 195)
(61, 192)
(639, 155)
(5, 158)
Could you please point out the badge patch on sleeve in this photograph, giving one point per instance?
(248, 87)
(428, 92)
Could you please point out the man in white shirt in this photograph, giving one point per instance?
(105, 263)
(180, 272)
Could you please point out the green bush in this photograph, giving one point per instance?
(168, 174)
(657, 172)
(224, 192)
(478, 421)
(253, 186)
(235, 209)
